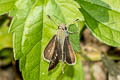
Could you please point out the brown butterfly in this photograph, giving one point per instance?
(59, 48)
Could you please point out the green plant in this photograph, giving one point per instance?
(32, 30)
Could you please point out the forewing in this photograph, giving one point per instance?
(69, 54)
(49, 50)
(55, 58)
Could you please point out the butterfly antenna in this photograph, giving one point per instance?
(76, 20)
(52, 20)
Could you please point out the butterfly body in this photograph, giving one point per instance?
(62, 34)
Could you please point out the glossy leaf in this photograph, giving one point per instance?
(50, 29)
(32, 30)
(75, 37)
(73, 72)
(102, 18)
(6, 5)
(24, 19)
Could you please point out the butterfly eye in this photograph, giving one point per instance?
(65, 28)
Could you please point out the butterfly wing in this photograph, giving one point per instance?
(49, 50)
(56, 56)
(69, 54)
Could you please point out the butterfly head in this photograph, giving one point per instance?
(62, 27)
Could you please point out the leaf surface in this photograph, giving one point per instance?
(6, 5)
(74, 72)
(103, 19)
(5, 37)
(32, 30)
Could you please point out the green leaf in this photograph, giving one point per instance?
(5, 56)
(5, 38)
(27, 27)
(18, 23)
(32, 30)
(75, 37)
(6, 5)
(73, 72)
(102, 18)
(64, 11)
(57, 10)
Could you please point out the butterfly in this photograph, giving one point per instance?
(59, 48)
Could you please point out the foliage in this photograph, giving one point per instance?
(5, 37)
(102, 18)
(32, 30)
(6, 6)
(6, 57)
